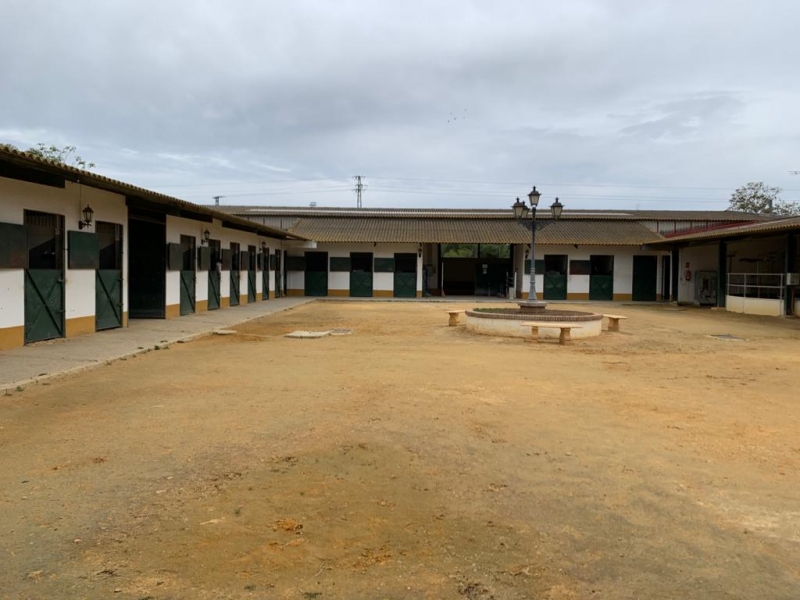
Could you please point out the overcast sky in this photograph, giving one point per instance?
(604, 103)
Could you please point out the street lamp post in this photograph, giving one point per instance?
(521, 212)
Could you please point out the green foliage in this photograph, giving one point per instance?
(459, 250)
(61, 155)
(757, 197)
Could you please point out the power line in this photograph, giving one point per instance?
(358, 189)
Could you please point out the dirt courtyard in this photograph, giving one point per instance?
(414, 460)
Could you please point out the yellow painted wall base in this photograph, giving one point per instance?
(124, 319)
(419, 293)
(201, 306)
(339, 293)
(12, 337)
(272, 295)
(577, 296)
(295, 292)
(173, 311)
(80, 326)
(623, 297)
(243, 299)
(382, 293)
(225, 302)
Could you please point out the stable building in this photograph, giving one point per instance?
(597, 255)
(751, 268)
(81, 253)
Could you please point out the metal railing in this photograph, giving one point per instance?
(768, 286)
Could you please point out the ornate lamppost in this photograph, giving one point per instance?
(521, 210)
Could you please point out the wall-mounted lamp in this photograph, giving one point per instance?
(419, 251)
(206, 237)
(88, 213)
(264, 247)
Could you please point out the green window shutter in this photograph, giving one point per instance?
(226, 258)
(204, 258)
(244, 261)
(580, 267)
(527, 266)
(340, 263)
(84, 250)
(13, 246)
(539, 266)
(384, 265)
(295, 263)
(174, 257)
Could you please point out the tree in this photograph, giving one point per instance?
(758, 197)
(61, 155)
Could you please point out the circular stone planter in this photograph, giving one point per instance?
(507, 322)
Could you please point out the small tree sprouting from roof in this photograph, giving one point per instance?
(62, 155)
(758, 197)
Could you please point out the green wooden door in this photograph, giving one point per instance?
(360, 284)
(214, 295)
(601, 287)
(188, 297)
(555, 286)
(44, 304)
(316, 283)
(251, 286)
(265, 282)
(405, 275)
(108, 299)
(235, 288)
(405, 285)
(645, 278)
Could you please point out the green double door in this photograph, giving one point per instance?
(405, 275)
(316, 274)
(265, 279)
(188, 290)
(601, 277)
(214, 274)
(555, 277)
(361, 280)
(44, 276)
(251, 274)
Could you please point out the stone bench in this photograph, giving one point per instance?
(613, 321)
(564, 335)
(454, 314)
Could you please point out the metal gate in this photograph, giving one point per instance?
(108, 299)
(645, 278)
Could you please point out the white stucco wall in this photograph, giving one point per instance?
(699, 258)
(79, 287)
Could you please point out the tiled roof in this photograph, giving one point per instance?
(12, 156)
(475, 213)
(729, 231)
(469, 230)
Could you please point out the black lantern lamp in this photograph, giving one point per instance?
(206, 237)
(88, 213)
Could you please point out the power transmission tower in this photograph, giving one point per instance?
(358, 189)
(217, 199)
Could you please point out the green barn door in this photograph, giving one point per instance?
(361, 274)
(601, 277)
(44, 277)
(235, 279)
(316, 274)
(645, 278)
(250, 263)
(275, 265)
(555, 277)
(108, 280)
(188, 275)
(214, 274)
(405, 275)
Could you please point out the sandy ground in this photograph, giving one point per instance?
(414, 460)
